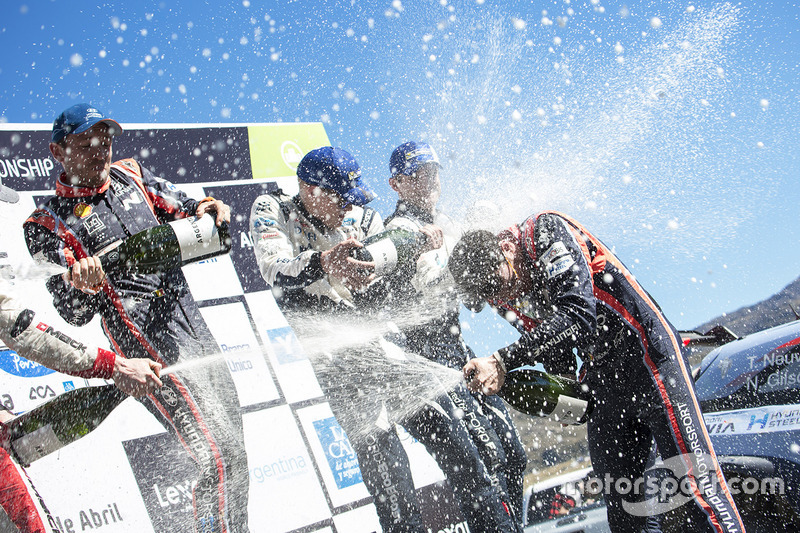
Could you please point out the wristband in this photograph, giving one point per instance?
(103, 366)
(207, 199)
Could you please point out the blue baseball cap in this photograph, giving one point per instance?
(337, 170)
(79, 118)
(410, 156)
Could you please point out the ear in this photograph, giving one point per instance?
(393, 184)
(57, 151)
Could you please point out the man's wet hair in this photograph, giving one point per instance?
(474, 265)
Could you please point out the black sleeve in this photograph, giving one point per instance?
(566, 275)
(74, 306)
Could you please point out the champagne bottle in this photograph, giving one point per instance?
(540, 394)
(169, 245)
(390, 249)
(56, 423)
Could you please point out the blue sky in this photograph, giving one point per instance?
(668, 128)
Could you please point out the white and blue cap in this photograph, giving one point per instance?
(337, 170)
(410, 156)
(79, 118)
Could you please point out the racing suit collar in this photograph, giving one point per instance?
(317, 223)
(65, 190)
(404, 208)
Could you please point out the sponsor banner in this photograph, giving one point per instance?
(293, 370)
(90, 486)
(220, 269)
(286, 346)
(25, 160)
(16, 365)
(285, 492)
(165, 476)
(334, 454)
(276, 150)
(230, 326)
(180, 155)
(359, 520)
(769, 419)
(25, 384)
(240, 198)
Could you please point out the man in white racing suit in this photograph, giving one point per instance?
(303, 247)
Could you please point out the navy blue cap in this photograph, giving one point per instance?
(79, 118)
(8, 195)
(337, 170)
(410, 156)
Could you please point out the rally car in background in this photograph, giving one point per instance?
(562, 505)
(749, 391)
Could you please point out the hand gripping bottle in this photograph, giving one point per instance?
(540, 394)
(169, 245)
(390, 249)
(56, 423)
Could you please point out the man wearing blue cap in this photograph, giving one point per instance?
(99, 202)
(303, 247)
(303, 244)
(428, 285)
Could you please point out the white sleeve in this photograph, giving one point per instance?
(272, 244)
(42, 343)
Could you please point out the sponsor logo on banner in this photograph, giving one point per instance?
(286, 346)
(41, 392)
(90, 518)
(279, 468)
(233, 348)
(237, 357)
(7, 401)
(14, 364)
(752, 421)
(291, 154)
(26, 168)
(340, 454)
(165, 477)
(68, 386)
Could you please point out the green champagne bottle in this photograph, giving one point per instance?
(169, 245)
(390, 249)
(540, 394)
(56, 423)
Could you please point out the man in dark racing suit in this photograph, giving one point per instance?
(97, 204)
(22, 332)
(426, 286)
(567, 293)
(302, 246)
